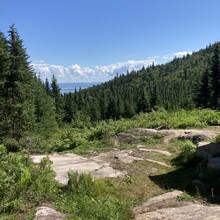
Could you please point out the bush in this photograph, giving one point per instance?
(67, 139)
(186, 156)
(22, 184)
(11, 145)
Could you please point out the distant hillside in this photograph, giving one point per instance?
(186, 82)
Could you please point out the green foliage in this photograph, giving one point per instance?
(22, 184)
(67, 139)
(102, 134)
(186, 156)
(25, 107)
(184, 83)
(184, 197)
(11, 144)
(217, 138)
(88, 198)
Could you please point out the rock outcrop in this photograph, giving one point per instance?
(157, 202)
(48, 213)
(206, 150)
(64, 163)
(214, 164)
(189, 212)
(167, 207)
(138, 134)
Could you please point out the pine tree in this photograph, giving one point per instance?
(47, 87)
(56, 95)
(19, 102)
(45, 111)
(215, 79)
(203, 95)
(4, 70)
(143, 104)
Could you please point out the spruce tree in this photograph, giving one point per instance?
(215, 79)
(56, 95)
(44, 110)
(4, 70)
(19, 100)
(47, 87)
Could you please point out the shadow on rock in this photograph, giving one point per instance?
(187, 179)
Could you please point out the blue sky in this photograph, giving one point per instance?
(97, 35)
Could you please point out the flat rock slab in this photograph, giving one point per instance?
(141, 148)
(48, 213)
(156, 202)
(193, 135)
(158, 162)
(63, 163)
(137, 134)
(189, 212)
(124, 156)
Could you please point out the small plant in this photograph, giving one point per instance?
(89, 198)
(11, 145)
(184, 197)
(186, 156)
(217, 139)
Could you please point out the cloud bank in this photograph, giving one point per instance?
(176, 55)
(76, 73)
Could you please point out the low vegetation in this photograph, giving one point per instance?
(98, 136)
(25, 185)
(35, 117)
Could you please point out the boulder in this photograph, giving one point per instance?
(157, 202)
(127, 138)
(143, 132)
(194, 136)
(189, 212)
(214, 164)
(135, 135)
(206, 150)
(48, 213)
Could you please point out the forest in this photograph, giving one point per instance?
(29, 106)
(36, 118)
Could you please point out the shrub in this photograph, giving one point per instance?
(186, 156)
(217, 138)
(23, 184)
(11, 145)
(67, 139)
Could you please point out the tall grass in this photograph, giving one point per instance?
(88, 198)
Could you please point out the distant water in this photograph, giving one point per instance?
(70, 87)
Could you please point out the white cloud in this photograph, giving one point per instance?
(76, 73)
(177, 55)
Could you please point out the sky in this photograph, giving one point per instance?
(93, 40)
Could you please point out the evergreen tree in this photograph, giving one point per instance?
(215, 79)
(56, 95)
(4, 70)
(44, 110)
(203, 95)
(19, 100)
(47, 87)
(143, 104)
